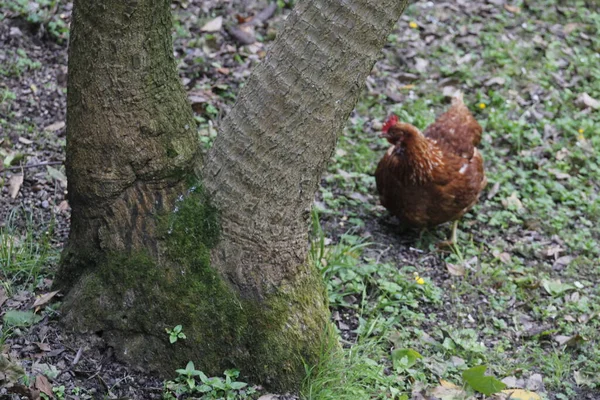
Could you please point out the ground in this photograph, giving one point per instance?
(519, 293)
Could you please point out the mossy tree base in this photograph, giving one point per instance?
(132, 298)
(138, 260)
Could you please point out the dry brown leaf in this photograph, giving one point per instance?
(569, 341)
(584, 100)
(213, 25)
(504, 257)
(495, 81)
(512, 9)
(421, 64)
(25, 140)
(558, 174)
(55, 126)
(448, 391)
(493, 191)
(44, 299)
(512, 202)
(568, 28)
(43, 385)
(14, 185)
(562, 154)
(455, 270)
(581, 379)
(43, 346)
(520, 394)
(63, 206)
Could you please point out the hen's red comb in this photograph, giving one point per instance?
(391, 121)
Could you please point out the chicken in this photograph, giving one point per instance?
(431, 177)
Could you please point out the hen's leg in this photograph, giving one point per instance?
(452, 241)
(453, 237)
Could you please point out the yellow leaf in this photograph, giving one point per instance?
(448, 385)
(520, 394)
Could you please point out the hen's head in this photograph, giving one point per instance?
(398, 132)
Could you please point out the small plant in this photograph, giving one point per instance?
(175, 333)
(208, 388)
(189, 374)
(59, 392)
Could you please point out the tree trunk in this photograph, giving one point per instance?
(151, 246)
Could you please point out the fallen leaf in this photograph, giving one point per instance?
(455, 270)
(43, 346)
(44, 299)
(448, 384)
(569, 318)
(554, 250)
(512, 9)
(513, 382)
(568, 28)
(562, 262)
(562, 154)
(569, 341)
(14, 185)
(558, 174)
(55, 126)
(584, 100)
(448, 391)
(493, 191)
(520, 394)
(583, 318)
(25, 140)
(63, 206)
(582, 379)
(512, 202)
(213, 25)
(535, 382)
(421, 64)
(43, 385)
(495, 81)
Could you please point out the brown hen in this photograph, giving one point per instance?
(431, 177)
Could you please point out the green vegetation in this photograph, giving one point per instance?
(41, 14)
(208, 388)
(175, 334)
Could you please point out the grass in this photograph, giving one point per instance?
(26, 251)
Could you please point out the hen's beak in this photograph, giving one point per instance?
(384, 135)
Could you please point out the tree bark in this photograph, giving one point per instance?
(265, 166)
(152, 245)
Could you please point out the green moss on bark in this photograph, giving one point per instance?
(132, 298)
